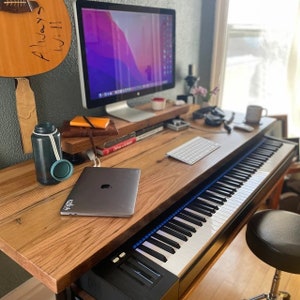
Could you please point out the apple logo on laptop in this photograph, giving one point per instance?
(105, 186)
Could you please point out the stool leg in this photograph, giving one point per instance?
(275, 285)
(273, 295)
(284, 296)
(259, 297)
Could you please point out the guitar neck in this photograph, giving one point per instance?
(18, 6)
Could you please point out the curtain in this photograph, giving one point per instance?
(294, 79)
(219, 47)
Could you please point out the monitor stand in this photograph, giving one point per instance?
(122, 111)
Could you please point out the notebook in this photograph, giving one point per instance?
(109, 192)
(94, 122)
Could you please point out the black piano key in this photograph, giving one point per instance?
(205, 202)
(224, 187)
(238, 176)
(269, 147)
(194, 215)
(246, 168)
(161, 245)
(275, 143)
(179, 229)
(243, 169)
(174, 233)
(188, 217)
(264, 152)
(240, 172)
(184, 225)
(253, 162)
(231, 186)
(209, 195)
(153, 253)
(234, 180)
(199, 209)
(220, 191)
(231, 181)
(213, 199)
(259, 157)
(202, 204)
(166, 240)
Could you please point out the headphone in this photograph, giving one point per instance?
(213, 116)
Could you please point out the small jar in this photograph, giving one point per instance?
(158, 103)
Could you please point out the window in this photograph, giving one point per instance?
(258, 56)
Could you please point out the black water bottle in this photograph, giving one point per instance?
(43, 153)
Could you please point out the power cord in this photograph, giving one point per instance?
(229, 121)
(93, 157)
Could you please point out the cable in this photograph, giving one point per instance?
(93, 157)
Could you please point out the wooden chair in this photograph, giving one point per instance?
(276, 195)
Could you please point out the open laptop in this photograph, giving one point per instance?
(109, 192)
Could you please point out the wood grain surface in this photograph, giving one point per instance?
(57, 250)
(26, 110)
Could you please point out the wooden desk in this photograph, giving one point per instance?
(57, 250)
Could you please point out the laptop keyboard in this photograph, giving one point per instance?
(193, 150)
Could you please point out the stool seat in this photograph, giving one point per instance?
(274, 237)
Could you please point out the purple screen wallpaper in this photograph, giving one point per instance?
(126, 51)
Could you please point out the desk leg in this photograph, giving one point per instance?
(65, 295)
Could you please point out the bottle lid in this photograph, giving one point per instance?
(61, 169)
(44, 128)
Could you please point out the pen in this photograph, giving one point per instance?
(88, 121)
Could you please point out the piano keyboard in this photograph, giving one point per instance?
(176, 242)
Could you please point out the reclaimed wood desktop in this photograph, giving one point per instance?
(56, 249)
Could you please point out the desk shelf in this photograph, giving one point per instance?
(80, 144)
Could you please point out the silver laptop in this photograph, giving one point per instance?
(109, 192)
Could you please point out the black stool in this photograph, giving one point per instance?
(274, 237)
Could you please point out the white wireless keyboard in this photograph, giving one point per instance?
(193, 150)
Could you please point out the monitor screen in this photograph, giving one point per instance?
(125, 52)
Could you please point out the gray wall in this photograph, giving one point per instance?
(57, 92)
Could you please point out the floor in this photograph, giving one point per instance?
(237, 275)
(11, 274)
(30, 290)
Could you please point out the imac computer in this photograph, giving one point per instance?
(125, 51)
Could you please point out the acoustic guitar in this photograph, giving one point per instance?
(35, 38)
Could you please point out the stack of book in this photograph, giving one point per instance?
(128, 139)
(82, 126)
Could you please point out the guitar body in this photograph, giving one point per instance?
(35, 36)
